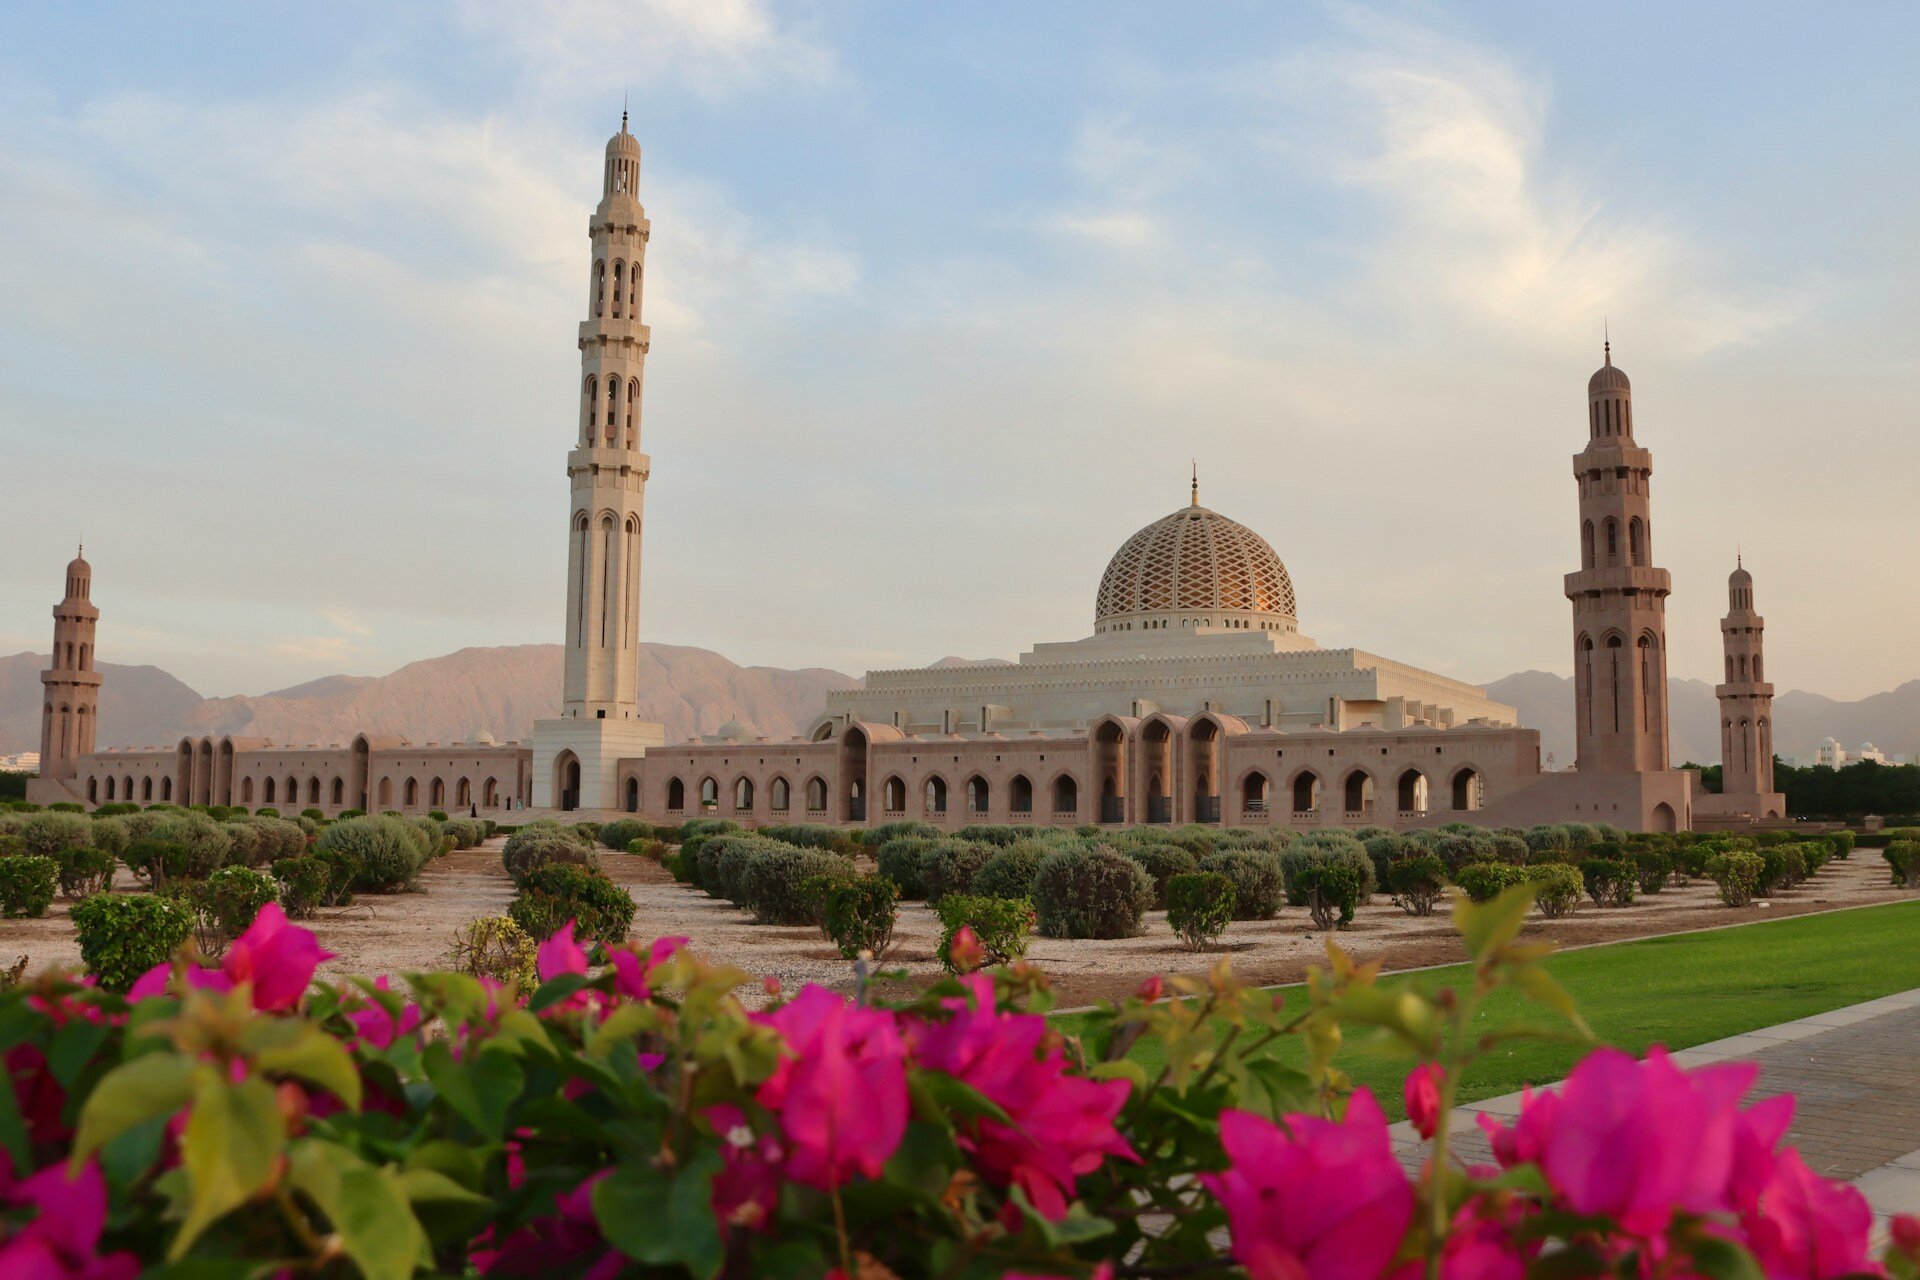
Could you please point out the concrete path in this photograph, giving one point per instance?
(1854, 1071)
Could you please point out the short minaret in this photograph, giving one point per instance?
(1619, 598)
(1746, 700)
(576, 757)
(71, 709)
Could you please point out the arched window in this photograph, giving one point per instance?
(166, 790)
(463, 794)
(1020, 794)
(633, 795)
(1756, 671)
(1637, 541)
(86, 657)
(1613, 680)
(1412, 790)
(709, 793)
(1359, 792)
(1613, 541)
(589, 397)
(893, 795)
(1466, 789)
(1586, 544)
(743, 793)
(599, 288)
(780, 795)
(246, 791)
(633, 398)
(410, 794)
(676, 795)
(816, 794)
(109, 788)
(267, 790)
(339, 792)
(1306, 792)
(490, 793)
(613, 404)
(1066, 796)
(313, 791)
(619, 286)
(978, 794)
(1253, 793)
(146, 790)
(936, 795)
(437, 793)
(93, 791)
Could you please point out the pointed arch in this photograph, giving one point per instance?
(935, 796)
(979, 796)
(709, 792)
(1020, 794)
(1411, 791)
(1467, 786)
(816, 794)
(1254, 788)
(1066, 795)
(779, 794)
(1306, 792)
(743, 794)
(1357, 793)
(893, 794)
(676, 795)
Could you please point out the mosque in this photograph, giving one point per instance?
(1196, 698)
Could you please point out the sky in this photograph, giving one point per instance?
(945, 300)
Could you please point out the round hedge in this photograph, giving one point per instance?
(1090, 893)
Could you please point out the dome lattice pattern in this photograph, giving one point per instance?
(1195, 559)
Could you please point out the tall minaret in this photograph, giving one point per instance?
(1619, 598)
(1746, 700)
(72, 700)
(576, 757)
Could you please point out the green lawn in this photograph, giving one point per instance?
(1677, 992)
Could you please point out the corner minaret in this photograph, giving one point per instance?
(71, 709)
(576, 757)
(1746, 704)
(1619, 598)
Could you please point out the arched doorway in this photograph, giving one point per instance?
(1411, 792)
(1664, 819)
(853, 773)
(410, 794)
(358, 769)
(1156, 747)
(1110, 767)
(709, 793)
(566, 780)
(1306, 795)
(742, 794)
(1253, 793)
(1466, 788)
(979, 796)
(1066, 796)
(816, 795)
(893, 796)
(1020, 794)
(385, 792)
(633, 795)
(1359, 794)
(676, 795)
(936, 797)
(780, 795)
(1203, 769)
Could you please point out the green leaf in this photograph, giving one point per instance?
(73, 1049)
(1723, 1260)
(1540, 987)
(462, 1164)
(1488, 926)
(556, 989)
(663, 1218)
(367, 1207)
(288, 1046)
(234, 1135)
(480, 1089)
(155, 1084)
(424, 1186)
(1076, 1228)
(13, 1130)
(956, 1098)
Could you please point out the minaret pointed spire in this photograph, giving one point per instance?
(623, 111)
(1195, 501)
(1606, 343)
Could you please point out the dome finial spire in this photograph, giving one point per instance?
(1196, 483)
(1606, 341)
(623, 111)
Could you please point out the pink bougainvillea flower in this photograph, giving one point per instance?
(154, 981)
(1422, 1092)
(747, 1188)
(1904, 1232)
(62, 1240)
(631, 971)
(1808, 1228)
(964, 950)
(561, 954)
(38, 1096)
(379, 1029)
(1152, 989)
(1319, 1198)
(277, 956)
(842, 1094)
(568, 1241)
(1062, 1125)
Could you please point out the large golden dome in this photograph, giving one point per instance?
(1202, 567)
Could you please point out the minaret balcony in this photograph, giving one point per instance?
(1608, 455)
(62, 676)
(1625, 578)
(1743, 689)
(614, 331)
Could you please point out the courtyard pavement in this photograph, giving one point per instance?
(1854, 1071)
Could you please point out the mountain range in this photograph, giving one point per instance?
(695, 691)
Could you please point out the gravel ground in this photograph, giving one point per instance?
(393, 934)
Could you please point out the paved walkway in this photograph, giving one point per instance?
(1854, 1071)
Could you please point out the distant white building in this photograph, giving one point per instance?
(1829, 753)
(1870, 752)
(25, 762)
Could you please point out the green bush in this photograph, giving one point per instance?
(202, 842)
(860, 915)
(66, 806)
(1465, 849)
(303, 886)
(652, 849)
(1199, 907)
(723, 863)
(899, 860)
(949, 866)
(1416, 883)
(122, 935)
(497, 948)
(1737, 872)
(224, 904)
(1652, 868)
(1560, 888)
(1162, 862)
(85, 872)
(533, 847)
(1090, 893)
(1257, 880)
(773, 885)
(1001, 925)
(467, 833)
(987, 833)
(387, 852)
(26, 884)
(622, 832)
(111, 836)
(1306, 852)
(1842, 843)
(343, 868)
(877, 836)
(247, 845)
(1386, 849)
(561, 891)
(1009, 873)
(810, 835)
(1485, 881)
(1610, 882)
(115, 810)
(1903, 861)
(706, 827)
(48, 835)
(280, 839)
(1332, 887)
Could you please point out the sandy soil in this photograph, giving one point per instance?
(413, 931)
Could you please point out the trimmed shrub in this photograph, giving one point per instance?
(343, 868)
(467, 833)
(1464, 849)
(877, 836)
(313, 815)
(1257, 880)
(1199, 907)
(247, 845)
(224, 904)
(1090, 893)
(1485, 881)
(987, 833)
(1737, 872)
(950, 866)
(621, 832)
(203, 845)
(1903, 861)
(386, 852)
(280, 838)
(773, 883)
(430, 834)
(48, 835)
(1001, 925)
(85, 872)
(1385, 850)
(723, 861)
(563, 891)
(1841, 842)
(122, 935)
(1009, 873)
(497, 948)
(651, 849)
(1560, 888)
(1416, 883)
(26, 884)
(1162, 862)
(1652, 868)
(530, 848)
(1332, 887)
(111, 836)
(859, 916)
(899, 860)
(706, 827)
(114, 810)
(303, 885)
(1610, 882)
(810, 835)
